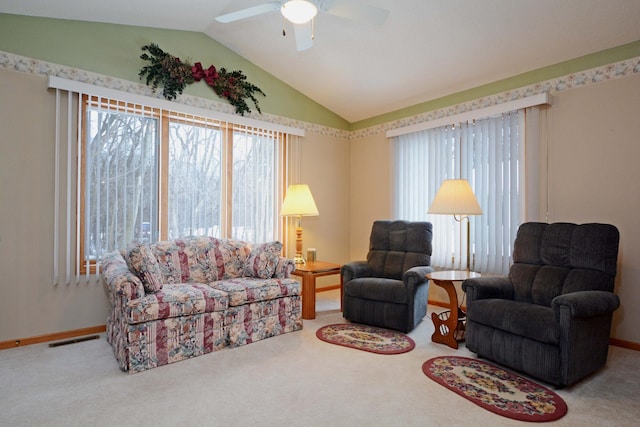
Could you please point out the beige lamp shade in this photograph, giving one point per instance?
(455, 197)
(299, 202)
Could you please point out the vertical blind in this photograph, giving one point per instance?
(258, 157)
(65, 178)
(489, 153)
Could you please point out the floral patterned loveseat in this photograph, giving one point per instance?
(182, 298)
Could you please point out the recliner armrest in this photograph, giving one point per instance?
(586, 303)
(416, 275)
(355, 269)
(488, 287)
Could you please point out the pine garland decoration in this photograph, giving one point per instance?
(173, 75)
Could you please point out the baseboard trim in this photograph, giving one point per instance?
(52, 337)
(4, 345)
(625, 344)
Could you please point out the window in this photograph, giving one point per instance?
(149, 174)
(489, 153)
(193, 173)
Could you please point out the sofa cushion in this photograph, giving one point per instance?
(144, 265)
(231, 256)
(244, 290)
(263, 260)
(201, 261)
(187, 260)
(172, 261)
(175, 300)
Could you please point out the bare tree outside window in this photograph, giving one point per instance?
(195, 191)
(121, 177)
(151, 174)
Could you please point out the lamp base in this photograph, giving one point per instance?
(299, 259)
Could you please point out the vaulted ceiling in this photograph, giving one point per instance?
(424, 50)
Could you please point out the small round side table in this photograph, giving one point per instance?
(446, 323)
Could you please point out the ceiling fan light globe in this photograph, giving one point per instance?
(299, 11)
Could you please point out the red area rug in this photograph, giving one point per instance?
(367, 338)
(496, 390)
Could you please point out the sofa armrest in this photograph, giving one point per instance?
(585, 303)
(488, 287)
(416, 275)
(118, 278)
(284, 268)
(355, 269)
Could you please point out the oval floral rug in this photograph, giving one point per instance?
(499, 391)
(367, 338)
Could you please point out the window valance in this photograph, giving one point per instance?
(481, 113)
(80, 87)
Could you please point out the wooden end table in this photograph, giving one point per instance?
(309, 272)
(446, 326)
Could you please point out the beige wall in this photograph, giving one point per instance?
(30, 305)
(324, 166)
(323, 163)
(594, 146)
(370, 193)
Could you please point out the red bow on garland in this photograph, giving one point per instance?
(210, 74)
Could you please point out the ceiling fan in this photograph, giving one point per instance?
(301, 14)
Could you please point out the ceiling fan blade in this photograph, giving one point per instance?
(248, 12)
(356, 11)
(304, 36)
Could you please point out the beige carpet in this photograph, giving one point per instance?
(290, 380)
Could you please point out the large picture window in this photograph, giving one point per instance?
(150, 174)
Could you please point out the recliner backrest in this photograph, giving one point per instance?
(396, 246)
(554, 259)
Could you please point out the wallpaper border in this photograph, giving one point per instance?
(579, 79)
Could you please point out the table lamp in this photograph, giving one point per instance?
(456, 198)
(299, 202)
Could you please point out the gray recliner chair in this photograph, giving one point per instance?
(551, 317)
(390, 288)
